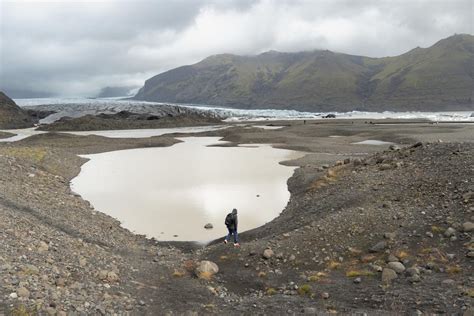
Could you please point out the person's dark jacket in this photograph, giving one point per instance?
(234, 222)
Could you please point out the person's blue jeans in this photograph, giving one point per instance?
(232, 231)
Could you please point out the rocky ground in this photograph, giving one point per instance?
(367, 229)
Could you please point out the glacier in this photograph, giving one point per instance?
(75, 107)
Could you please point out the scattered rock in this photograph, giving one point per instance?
(448, 282)
(267, 253)
(357, 280)
(43, 247)
(108, 276)
(60, 282)
(23, 292)
(396, 266)
(206, 269)
(392, 258)
(468, 227)
(82, 262)
(112, 277)
(102, 274)
(30, 269)
(388, 275)
(390, 236)
(414, 278)
(378, 247)
(418, 144)
(412, 271)
(357, 161)
(310, 311)
(449, 232)
(325, 295)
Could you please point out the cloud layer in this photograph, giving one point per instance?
(75, 48)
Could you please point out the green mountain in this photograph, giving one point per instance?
(11, 115)
(436, 78)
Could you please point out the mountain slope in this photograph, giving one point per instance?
(11, 115)
(435, 78)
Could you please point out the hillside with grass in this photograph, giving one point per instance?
(431, 79)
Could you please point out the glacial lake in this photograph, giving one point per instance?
(170, 193)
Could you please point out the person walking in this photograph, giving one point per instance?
(231, 222)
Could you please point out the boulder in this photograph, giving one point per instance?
(396, 266)
(112, 276)
(412, 271)
(468, 227)
(388, 275)
(378, 247)
(206, 269)
(108, 276)
(450, 232)
(414, 278)
(267, 253)
(43, 247)
(23, 292)
(208, 226)
(310, 311)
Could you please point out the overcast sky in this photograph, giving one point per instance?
(74, 48)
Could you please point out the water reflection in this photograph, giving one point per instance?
(163, 192)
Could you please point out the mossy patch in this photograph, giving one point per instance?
(34, 154)
(305, 289)
(333, 265)
(357, 273)
(271, 291)
(178, 273)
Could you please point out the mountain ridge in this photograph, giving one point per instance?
(11, 115)
(439, 77)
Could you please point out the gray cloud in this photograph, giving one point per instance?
(78, 47)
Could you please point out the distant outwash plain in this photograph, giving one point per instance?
(437, 78)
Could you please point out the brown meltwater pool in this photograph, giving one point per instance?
(170, 193)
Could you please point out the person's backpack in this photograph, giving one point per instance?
(229, 219)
